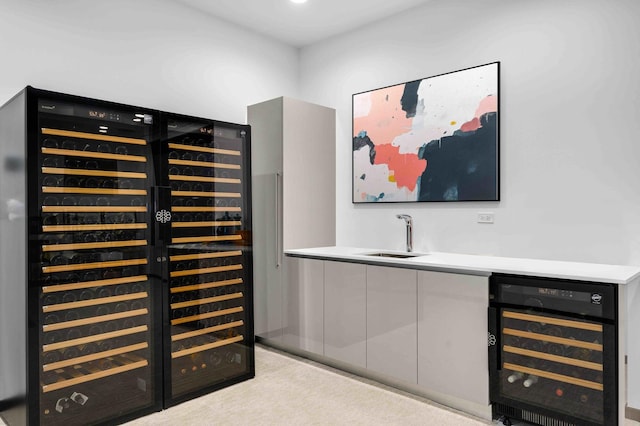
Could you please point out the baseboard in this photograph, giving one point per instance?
(632, 413)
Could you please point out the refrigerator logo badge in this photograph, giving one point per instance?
(163, 216)
(491, 339)
(596, 298)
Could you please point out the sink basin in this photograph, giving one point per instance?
(394, 255)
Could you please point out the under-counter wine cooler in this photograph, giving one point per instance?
(125, 259)
(553, 351)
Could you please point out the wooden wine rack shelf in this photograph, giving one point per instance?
(207, 330)
(94, 209)
(94, 320)
(94, 338)
(554, 321)
(94, 265)
(205, 194)
(205, 270)
(553, 339)
(94, 155)
(198, 302)
(554, 376)
(211, 255)
(204, 286)
(97, 283)
(555, 358)
(92, 246)
(207, 315)
(94, 376)
(206, 179)
(179, 209)
(92, 191)
(206, 239)
(85, 172)
(205, 224)
(96, 227)
(206, 347)
(94, 357)
(94, 302)
(203, 164)
(92, 136)
(183, 147)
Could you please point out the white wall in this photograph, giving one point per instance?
(150, 53)
(570, 120)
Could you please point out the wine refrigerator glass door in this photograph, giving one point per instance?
(96, 327)
(210, 326)
(559, 365)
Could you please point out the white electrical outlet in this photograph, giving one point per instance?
(485, 217)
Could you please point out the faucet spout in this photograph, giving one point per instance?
(409, 222)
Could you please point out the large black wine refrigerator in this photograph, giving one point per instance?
(125, 259)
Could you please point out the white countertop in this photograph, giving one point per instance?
(482, 265)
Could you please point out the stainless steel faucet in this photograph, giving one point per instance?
(409, 222)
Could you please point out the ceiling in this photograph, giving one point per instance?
(302, 24)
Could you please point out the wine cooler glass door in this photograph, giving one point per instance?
(209, 300)
(96, 345)
(556, 363)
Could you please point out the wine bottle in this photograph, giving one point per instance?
(69, 297)
(104, 292)
(73, 334)
(86, 294)
(95, 329)
(70, 352)
(51, 319)
(214, 359)
(50, 299)
(91, 165)
(121, 307)
(52, 337)
(69, 144)
(69, 201)
(51, 201)
(71, 316)
(88, 349)
(122, 290)
(90, 276)
(530, 381)
(50, 357)
(105, 345)
(102, 310)
(50, 143)
(104, 148)
(59, 259)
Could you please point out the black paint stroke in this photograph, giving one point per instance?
(361, 142)
(409, 100)
(463, 166)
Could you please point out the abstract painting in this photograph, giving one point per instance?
(434, 139)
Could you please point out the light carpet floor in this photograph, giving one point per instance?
(291, 391)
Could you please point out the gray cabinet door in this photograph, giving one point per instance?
(452, 335)
(304, 304)
(392, 322)
(345, 322)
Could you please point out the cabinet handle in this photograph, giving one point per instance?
(277, 192)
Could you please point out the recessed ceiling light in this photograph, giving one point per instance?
(298, 1)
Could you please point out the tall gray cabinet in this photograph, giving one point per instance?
(293, 172)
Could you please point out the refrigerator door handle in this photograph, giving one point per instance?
(278, 218)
